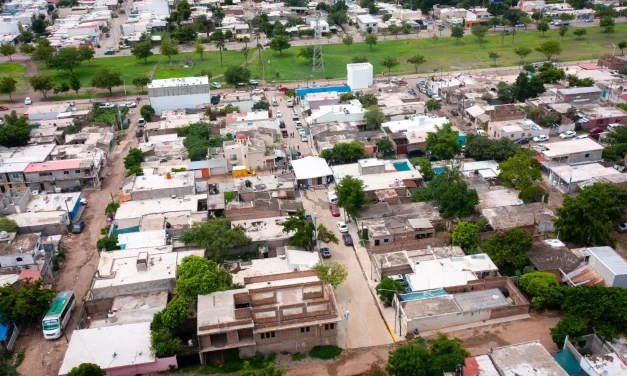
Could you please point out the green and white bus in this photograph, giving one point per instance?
(59, 314)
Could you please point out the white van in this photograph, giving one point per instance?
(332, 197)
(613, 126)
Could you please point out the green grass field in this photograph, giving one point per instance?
(18, 72)
(443, 54)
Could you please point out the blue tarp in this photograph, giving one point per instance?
(326, 89)
(4, 328)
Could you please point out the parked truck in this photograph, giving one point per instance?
(242, 172)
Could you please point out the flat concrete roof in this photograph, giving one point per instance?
(38, 218)
(218, 308)
(130, 309)
(130, 343)
(162, 181)
(415, 309)
(18, 244)
(175, 82)
(264, 229)
(497, 198)
(143, 239)
(501, 218)
(136, 209)
(452, 271)
(566, 148)
(53, 202)
(260, 267)
(576, 174)
(401, 258)
(525, 359)
(482, 299)
(410, 210)
(264, 183)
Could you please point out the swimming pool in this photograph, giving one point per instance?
(566, 359)
(402, 166)
(438, 170)
(423, 295)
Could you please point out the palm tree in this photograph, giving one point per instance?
(219, 45)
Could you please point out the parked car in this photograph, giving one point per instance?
(581, 137)
(436, 97)
(303, 138)
(541, 146)
(257, 91)
(589, 20)
(298, 124)
(275, 102)
(4, 108)
(281, 124)
(335, 211)
(283, 89)
(106, 105)
(78, 227)
(397, 278)
(253, 82)
(27, 100)
(595, 130)
(109, 52)
(401, 83)
(481, 132)
(622, 227)
(302, 131)
(124, 46)
(568, 134)
(522, 141)
(396, 79)
(141, 122)
(216, 85)
(278, 114)
(540, 138)
(294, 116)
(507, 32)
(129, 104)
(348, 239)
(342, 227)
(429, 93)
(240, 84)
(309, 218)
(290, 103)
(454, 112)
(325, 252)
(412, 91)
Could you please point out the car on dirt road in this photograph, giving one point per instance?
(106, 105)
(325, 252)
(129, 104)
(278, 114)
(540, 138)
(568, 134)
(257, 91)
(4, 108)
(335, 211)
(342, 227)
(596, 130)
(27, 100)
(348, 239)
(216, 85)
(78, 227)
(109, 52)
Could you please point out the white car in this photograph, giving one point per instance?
(302, 131)
(436, 97)
(106, 105)
(541, 147)
(396, 79)
(298, 124)
(141, 122)
(540, 138)
(568, 134)
(342, 227)
(397, 277)
(278, 114)
(216, 85)
(124, 46)
(275, 102)
(129, 104)
(303, 138)
(257, 91)
(27, 100)
(582, 137)
(481, 132)
(253, 82)
(290, 103)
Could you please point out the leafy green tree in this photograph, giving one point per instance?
(168, 49)
(574, 81)
(426, 169)
(480, 32)
(573, 326)
(433, 105)
(446, 354)
(368, 100)
(371, 40)
(146, 111)
(458, 201)
(373, 117)
(43, 51)
(68, 58)
(29, 301)
(27, 49)
(216, 236)
(549, 49)
(484, 149)
(443, 143)
(533, 193)
(175, 313)
(466, 235)
(563, 30)
(520, 171)
(75, 84)
(16, 131)
(412, 359)
(589, 217)
(43, 84)
(416, 61)
(543, 287)
(622, 45)
(141, 82)
(494, 22)
(548, 74)
(304, 232)
(347, 40)
(8, 50)
(350, 195)
(107, 79)
(440, 355)
(525, 88)
(457, 32)
(142, 50)
(261, 105)
(26, 36)
(217, 13)
(522, 53)
(8, 85)
(543, 27)
(580, 32)
(387, 288)
(385, 146)
(198, 276)
(280, 43)
(494, 57)
(359, 59)
(162, 342)
(607, 23)
(508, 248)
(390, 62)
(86, 53)
(87, 369)
(184, 10)
(8, 225)
(108, 243)
(236, 74)
(332, 272)
(306, 52)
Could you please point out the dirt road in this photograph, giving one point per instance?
(43, 358)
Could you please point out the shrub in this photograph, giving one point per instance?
(298, 356)
(325, 352)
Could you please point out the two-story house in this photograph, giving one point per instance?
(24, 252)
(69, 173)
(368, 24)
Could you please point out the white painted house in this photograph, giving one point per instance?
(178, 93)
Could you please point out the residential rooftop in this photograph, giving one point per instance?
(452, 271)
(552, 254)
(39, 218)
(401, 258)
(516, 125)
(580, 173)
(143, 239)
(163, 181)
(263, 229)
(395, 225)
(176, 82)
(504, 217)
(130, 309)
(290, 260)
(53, 202)
(569, 147)
(28, 153)
(455, 304)
(136, 209)
(423, 210)
(391, 178)
(497, 198)
(15, 244)
(580, 90)
(264, 183)
(529, 358)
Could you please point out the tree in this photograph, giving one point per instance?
(217, 13)
(8, 225)
(168, 48)
(75, 84)
(494, 56)
(175, 313)
(216, 236)
(589, 217)
(483, 148)
(42, 84)
(199, 48)
(26, 36)
(524, 87)
(622, 45)
(347, 40)
(38, 26)
(371, 40)
(359, 59)
(390, 62)
(236, 74)
(305, 234)
(458, 201)
(509, 248)
(387, 288)
(27, 49)
(368, 100)
(280, 43)
(146, 111)
(426, 169)
(142, 50)
(433, 105)
(573, 326)
(412, 359)
(543, 287)
(417, 60)
(332, 272)
(43, 51)
(466, 235)
(107, 79)
(63, 87)
(290, 93)
(479, 31)
(198, 276)
(87, 369)
(457, 32)
(385, 146)
(141, 82)
(7, 50)
(580, 33)
(533, 193)
(443, 143)
(8, 85)
(563, 30)
(261, 105)
(346, 152)
(607, 23)
(373, 117)
(548, 74)
(306, 52)
(439, 356)
(549, 48)
(184, 10)
(350, 195)
(15, 132)
(494, 22)
(520, 170)
(86, 53)
(68, 58)
(543, 27)
(29, 301)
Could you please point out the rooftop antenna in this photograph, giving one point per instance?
(318, 64)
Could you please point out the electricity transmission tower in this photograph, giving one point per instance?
(318, 64)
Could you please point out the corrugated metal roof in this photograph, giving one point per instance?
(197, 165)
(608, 256)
